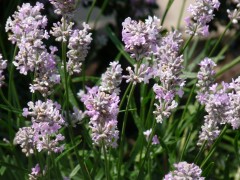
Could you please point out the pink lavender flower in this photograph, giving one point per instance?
(147, 134)
(25, 137)
(46, 73)
(217, 106)
(184, 170)
(141, 38)
(62, 30)
(43, 135)
(63, 7)
(140, 74)
(205, 79)
(76, 117)
(167, 67)
(27, 31)
(167, 64)
(112, 78)
(166, 104)
(102, 108)
(36, 173)
(3, 65)
(78, 48)
(45, 112)
(201, 14)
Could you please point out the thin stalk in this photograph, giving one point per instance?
(90, 11)
(228, 66)
(123, 131)
(214, 146)
(200, 152)
(170, 2)
(154, 125)
(125, 95)
(181, 14)
(106, 161)
(220, 39)
(11, 80)
(186, 44)
(66, 85)
(150, 109)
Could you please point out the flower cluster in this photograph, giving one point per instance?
(140, 74)
(205, 79)
(141, 38)
(3, 65)
(202, 12)
(217, 106)
(62, 30)
(147, 134)
(102, 107)
(112, 78)
(167, 67)
(79, 42)
(63, 7)
(184, 170)
(43, 134)
(36, 173)
(27, 31)
(234, 15)
(221, 104)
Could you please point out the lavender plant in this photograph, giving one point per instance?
(159, 110)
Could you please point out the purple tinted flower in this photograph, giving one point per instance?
(36, 173)
(112, 78)
(62, 30)
(45, 112)
(3, 65)
(27, 31)
(184, 170)
(141, 38)
(78, 48)
(147, 134)
(205, 79)
(43, 134)
(25, 138)
(201, 14)
(102, 108)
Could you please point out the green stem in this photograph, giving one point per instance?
(66, 86)
(141, 171)
(200, 152)
(125, 95)
(214, 146)
(106, 161)
(170, 2)
(220, 39)
(123, 131)
(181, 14)
(186, 44)
(228, 66)
(90, 11)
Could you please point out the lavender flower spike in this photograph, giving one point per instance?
(3, 65)
(184, 170)
(205, 79)
(141, 38)
(112, 78)
(79, 42)
(201, 14)
(102, 108)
